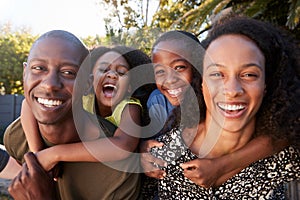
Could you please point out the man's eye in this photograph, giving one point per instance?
(38, 67)
(69, 73)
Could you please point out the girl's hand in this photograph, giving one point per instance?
(150, 163)
(203, 172)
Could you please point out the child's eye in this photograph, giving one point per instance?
(121, 73)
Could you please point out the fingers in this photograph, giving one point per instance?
(150, 162)
(147, 145)
(158, 174)
(31, 161)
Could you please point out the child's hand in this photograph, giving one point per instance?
(149, 162)
(45, 159)
(203, 172)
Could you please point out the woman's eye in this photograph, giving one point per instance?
(159, 72)
(249, 75)
(180, 68)
(216, 74)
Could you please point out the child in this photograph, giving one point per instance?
(175, 56)
(111, 82)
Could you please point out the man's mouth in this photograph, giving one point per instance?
(49, 102)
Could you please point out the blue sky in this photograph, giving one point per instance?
(81, 17)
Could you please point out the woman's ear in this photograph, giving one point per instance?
(90, 87)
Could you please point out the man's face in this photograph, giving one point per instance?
(49, 77)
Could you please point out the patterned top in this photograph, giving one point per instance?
(261, 180)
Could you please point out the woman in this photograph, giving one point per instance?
(250, 78)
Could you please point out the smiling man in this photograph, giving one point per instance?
(49, 76)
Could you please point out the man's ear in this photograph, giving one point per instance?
(25, 65)
(89, 88)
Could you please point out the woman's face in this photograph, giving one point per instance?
(173, 72)
(233, 81)
(111, 79)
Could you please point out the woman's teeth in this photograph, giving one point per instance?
(231, 107)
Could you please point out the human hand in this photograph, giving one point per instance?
(150, 163)
(45, 159)
(203, 172)
(32, 182)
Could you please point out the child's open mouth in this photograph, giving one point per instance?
(109, 90)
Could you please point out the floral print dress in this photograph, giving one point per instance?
(263, 179)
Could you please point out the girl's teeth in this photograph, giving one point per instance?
(175, 91)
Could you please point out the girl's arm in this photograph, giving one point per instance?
(208, 172)
(30, 128)
(11, 169)
(118, 147)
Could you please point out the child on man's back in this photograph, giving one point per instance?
(111, 83)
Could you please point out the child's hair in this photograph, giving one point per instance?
(192, 45)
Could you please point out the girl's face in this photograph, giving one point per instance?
(173, 72)
(233, 81)
(111, 81)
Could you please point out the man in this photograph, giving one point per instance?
(49, 77)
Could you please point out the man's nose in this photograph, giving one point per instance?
(52, 81)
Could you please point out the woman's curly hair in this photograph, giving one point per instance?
(278, 115)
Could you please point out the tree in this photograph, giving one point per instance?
(194, 16)
(14, 49)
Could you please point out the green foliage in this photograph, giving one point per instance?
(14, 48)
(195, 16)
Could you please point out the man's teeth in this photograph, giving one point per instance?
(231, 107)
(49, 102)
(175, 91)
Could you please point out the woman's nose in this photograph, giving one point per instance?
(233, 87)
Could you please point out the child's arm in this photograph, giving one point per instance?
(8, 165)
(208, 172)
(30, 128)
(118, 147)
